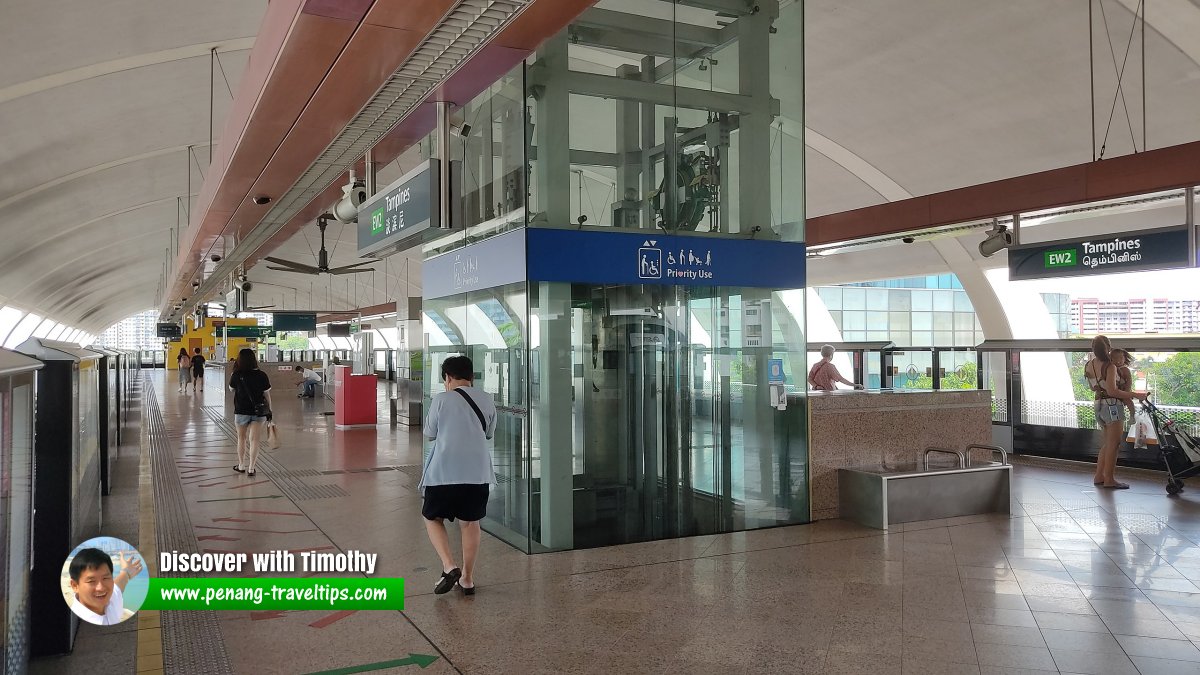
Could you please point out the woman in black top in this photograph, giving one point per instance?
(251, 408)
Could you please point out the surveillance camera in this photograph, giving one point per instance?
(908, 240)
(353, 195)
(262, 199)
(997, 240)
(215, 257)
(195, 284)
(245, 286)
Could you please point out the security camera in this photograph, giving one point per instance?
(245, 286)
(353, 195)
(908, 240)
(216, 257)
(262, 199)
(998, 239)
(195, 284)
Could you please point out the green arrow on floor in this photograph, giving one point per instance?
(422, 660)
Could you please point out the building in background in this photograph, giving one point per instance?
(139, 331)
(1135, 315)
(923, 311)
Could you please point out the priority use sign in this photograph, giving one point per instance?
(1165, 248)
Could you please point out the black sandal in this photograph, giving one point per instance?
(465, 590)
(447, 582)
(250, 473)
(239, 470)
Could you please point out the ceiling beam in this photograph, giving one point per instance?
(1156, 170)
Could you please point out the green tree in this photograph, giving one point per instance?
(1177, 380)
(292, 341)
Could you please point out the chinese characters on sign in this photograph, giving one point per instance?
(1164, 248)
(400, 211)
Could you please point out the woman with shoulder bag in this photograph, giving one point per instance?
(1101, 376)
(184, 363)
(251, 408)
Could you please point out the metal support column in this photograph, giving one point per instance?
(486, 198)
(629, 173)
(647, 133)
(443, 154)
(754, 135)
(554, 408)
(1189, 214)
(553, 135)
(370, 172)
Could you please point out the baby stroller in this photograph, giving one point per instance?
(1180, 451)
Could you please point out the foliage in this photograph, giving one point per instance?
(1176, 381)
(292, 342)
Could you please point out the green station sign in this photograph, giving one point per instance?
(1159, 249)
(260, 332)
(400, 211)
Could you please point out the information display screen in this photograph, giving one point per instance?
(294, 321)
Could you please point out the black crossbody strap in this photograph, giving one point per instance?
(478, 412)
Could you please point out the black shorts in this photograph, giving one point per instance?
(463, 501)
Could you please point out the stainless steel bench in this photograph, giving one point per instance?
(881, 496)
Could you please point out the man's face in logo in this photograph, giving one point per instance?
(94, 588)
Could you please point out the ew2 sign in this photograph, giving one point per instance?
(1160, 249)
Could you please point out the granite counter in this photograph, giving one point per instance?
(883, 428)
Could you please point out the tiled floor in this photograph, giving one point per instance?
(1078, 579)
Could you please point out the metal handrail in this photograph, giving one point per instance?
(962, 459)
(991, 448)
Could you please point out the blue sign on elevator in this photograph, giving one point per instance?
(647, 257)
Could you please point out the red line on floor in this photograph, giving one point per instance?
(259, 482)
(217, 537)
(231, 520)
(332, 618)
(311, 548)
(273, 513)
(243, 529)
(272, 614)
(220, 482)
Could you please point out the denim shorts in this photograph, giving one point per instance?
(243, 420)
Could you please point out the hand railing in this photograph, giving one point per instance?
(990, 448)
(962, 459)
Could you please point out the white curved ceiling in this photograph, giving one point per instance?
(903, 97)
(99, 102)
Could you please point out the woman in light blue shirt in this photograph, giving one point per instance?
(458, 472)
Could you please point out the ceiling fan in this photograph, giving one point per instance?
(322, 266)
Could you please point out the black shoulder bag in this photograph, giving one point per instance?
(478, 412)
(261, 409)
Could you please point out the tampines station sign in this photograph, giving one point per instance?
(402, 210)
(1160, 249)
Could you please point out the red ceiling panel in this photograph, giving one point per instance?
(314, 65)
(1150, 171)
